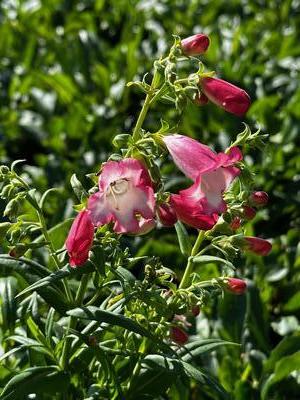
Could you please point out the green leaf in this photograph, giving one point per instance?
(78, 188)
(36, 332)
(49, 324)
(199, 347)
(57, 276)
(58, 233)
(37, 380)
(93, 313)
(286, 347)
(293, 304)
(183, 239)
(283, 369)
(31, 271)
(32, 344)
(203, 259)
(8, 287)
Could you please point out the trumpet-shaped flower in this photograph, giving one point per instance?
(125, 197)
(80, 239)
(212, 173)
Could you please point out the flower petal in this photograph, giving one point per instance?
(190, 156)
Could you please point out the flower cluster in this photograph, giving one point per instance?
(130, 201)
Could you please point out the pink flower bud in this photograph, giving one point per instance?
(248, 212)
(225, 95)
(167, 215)
(201, 99)
(259, 198)
(235, 223)
(80, 239)
(257, 245)
(178, 335)
(195, 311)
(236, 286)
(195, 45)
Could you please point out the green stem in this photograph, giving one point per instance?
(137, 129)
(67, 344)
(190, 265)
(82, 289)
(72, 321)
(53, 252)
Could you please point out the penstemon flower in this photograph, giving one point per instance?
(125, 197)
(200, 204)
(80, 239)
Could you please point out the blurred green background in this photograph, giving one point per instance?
(63, 72)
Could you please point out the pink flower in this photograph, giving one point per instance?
(195, 45)
(225, 95)
(236, 286)
(257, 245)
(166, 214)
(212, 173)
(259, 198)
(190, 208)
(178, 335)
(125, 197)
(80, 239)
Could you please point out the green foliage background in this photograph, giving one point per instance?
(63, 70)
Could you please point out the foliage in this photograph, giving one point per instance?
(64, 68)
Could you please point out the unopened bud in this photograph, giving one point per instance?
(195, 45)
(201, 99)
(178, 335)
(257, 245)
(225, 95)
(248, 212)
(235, 223)
(236, 286)
(4, 170)
(12, 208)
(259, 198)
(195, 311)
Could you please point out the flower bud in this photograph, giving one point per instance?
(178, 335)
(167, 215)
(18, 251)
(4, 169)
(257, 245)
(12, 208)
(248, 212)
(259, 198)
(235, 223)
(195, 311)
(225, 95)
(4, 227)
(80, 239)
(236, 286)
(195, 45)
(201, 99)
